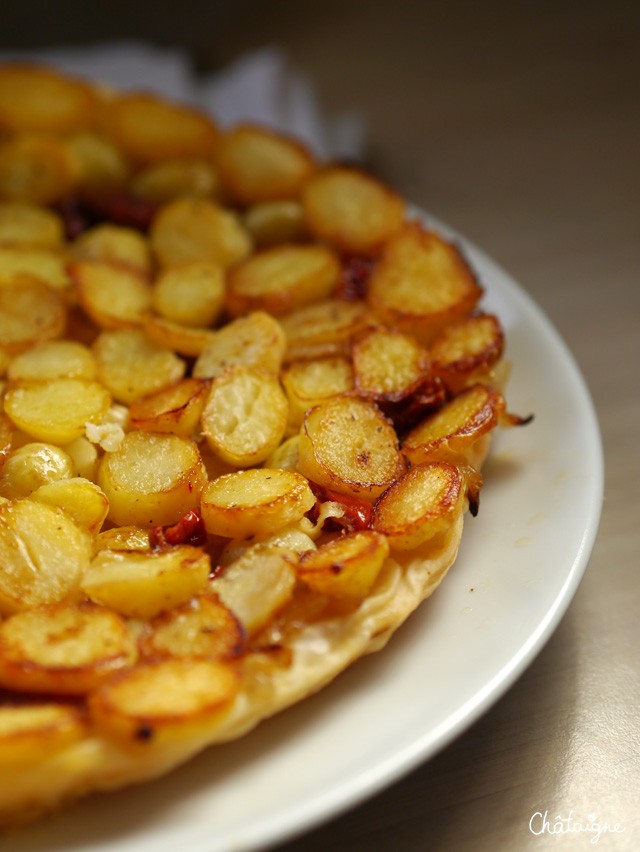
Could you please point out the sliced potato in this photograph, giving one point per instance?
(30, 312)
(191, 295)
(63, 649)
(130, 366)
(257, 585)
(162, 182)
(245, 416)
(324, 328)
(99, 166)
(196, 229)
(53, 359)
(466, 352)
(152, 479)
(30, 733)
(185, 340)
(308, 383)
(282, 279)
(6, 439)
(421, 504)
(255, 502)
(141, 585)
(203, 628)
(175, 409)
(30, 226)
(36, 169)
(421, 283)
(351, 209)
(347, 445)
(43, 555)
(116, 245)
(32, 465)
(388, 364)
(256, 340)
(56, 411)
(150, 129)
(128, 537)
(345, 567)
(47, 265)
(113, 296)
(272, 222)
(84, 457)
(79, 497)
(163, 700)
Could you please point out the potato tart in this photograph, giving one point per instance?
(246, 398)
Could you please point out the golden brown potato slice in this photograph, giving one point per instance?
(191, 295)
(347, 445)
(162, 182)
(323, 329)
(164, 701)
(30, 312)
(150, 129)
(256, 164)
(36, 98)
(175, 409)
(43, 555)
(255, 502)
(421, 504)
(452, 432)
(63, 649)
(112, 296)
(345, 567)
(30, 733)
(282, 279)
(99, 166)
(272, 222)
(131, 366)
(203, 628)
(56, 411)
(53, 359)
(6, 438)
(35, 169)
(308, 383)
(257, 585)
(128, 537)
(245, 416)
(116, 245)
(388, 364)
(421, 283)
(195, 229)
(79, 497)
(351, 209)
(467, 351)
(256, 340)
(141, 585)
(152, 479)
(30, 226)
(34, 464)
(185, 340)
(49, 266)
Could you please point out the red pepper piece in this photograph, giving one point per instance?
(122, 209)
(354, 278)
(358, 514)
(188, 530)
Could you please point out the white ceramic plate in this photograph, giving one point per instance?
(519, 566)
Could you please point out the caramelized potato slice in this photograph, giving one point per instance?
(142, 585)
(152, 479)
(186, 340)
(203, 628)
(56, 411)
(79, 497)
(47, 265)
(40, 99)
(345, 567)
(467, 351)
(35, 169)
(150, 129)
(30, 312)
(130, 366)
(29, 467)
(30, 733)
(388, 364)
(162, 182)
(272, 222)
(197, 229)
(308, 383)
(128, 537)
(256, 164)
(420, 505)
(282, 279)
(63, 649)
(53, 359)
(43, 555)
(112, 296)
(6, 439)
(164, 700)
(175, 409)
(351, 209)
(30, 226)
(255, 502)
(347, 445)
(191, 295)
(257, 585)
(245, 416)
(421, 283)
(324, 328)
(256, 340)
(115, 245)
(99, 166)
(452, 432)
